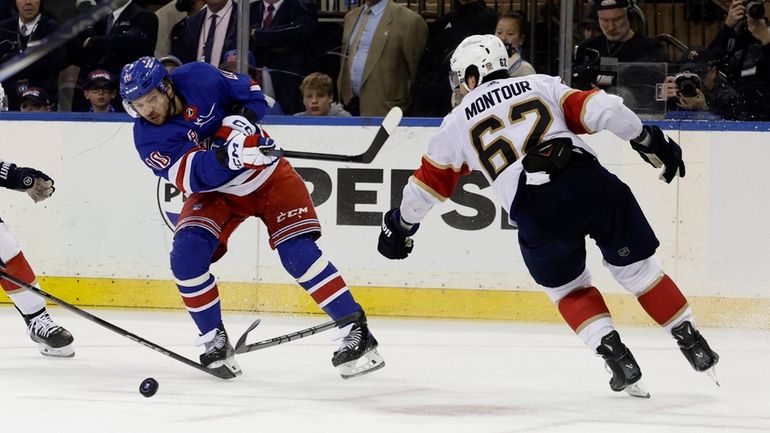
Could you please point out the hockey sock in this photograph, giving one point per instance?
(190, 260)
(665, 303)
(26, 302)
(304, 261)
(586, 313)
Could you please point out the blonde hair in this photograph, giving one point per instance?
(317, 81)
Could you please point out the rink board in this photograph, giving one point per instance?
(103, 239)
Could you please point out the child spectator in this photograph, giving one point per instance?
(100, 90)
(511, 29)
(318, 98)
(35, 99)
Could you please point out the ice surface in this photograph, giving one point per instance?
(441, 376)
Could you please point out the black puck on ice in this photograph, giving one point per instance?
(149, 387)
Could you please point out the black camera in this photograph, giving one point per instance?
(687, 83)
(754, 8)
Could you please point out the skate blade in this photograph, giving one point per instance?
(637, 390)
(230, 365)
(712, 373)
(369, 362)
(56, 352)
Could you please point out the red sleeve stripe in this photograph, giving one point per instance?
(574, 104)
(438, 180)
(182, 180)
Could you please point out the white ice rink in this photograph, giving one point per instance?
(441, 376)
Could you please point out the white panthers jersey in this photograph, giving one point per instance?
(497, 123)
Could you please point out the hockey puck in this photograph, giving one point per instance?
(149, 387)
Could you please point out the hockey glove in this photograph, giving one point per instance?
(659, 150)
(34, 182)
(240, 124)
(395, 242)
(246, 151)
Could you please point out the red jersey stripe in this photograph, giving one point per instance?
(574, 106)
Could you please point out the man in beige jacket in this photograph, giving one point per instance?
(381, 46)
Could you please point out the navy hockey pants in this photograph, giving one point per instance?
(582, 199)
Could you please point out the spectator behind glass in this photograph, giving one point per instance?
(16, 34)
(701, 87)
(199, 43)
(382, 42)
(168, 16)
(190, 8)
(318, 97)
(281, 41)
(511, 29)
(35, 99)
(617, 43)
(121, 37)
(590, 26)
(230, 64)
(100, 90)
(743, 42)
(431, 92)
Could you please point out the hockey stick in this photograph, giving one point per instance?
(389, 123)
(64, 33)
(220, 372)
(242, 347)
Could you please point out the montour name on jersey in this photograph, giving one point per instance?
(495, 96)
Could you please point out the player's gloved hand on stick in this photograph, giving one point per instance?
(395, 242)
(34, 182)
(659, 150)
(246, 151)
(241, 124)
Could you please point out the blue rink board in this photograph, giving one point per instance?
(681, 125)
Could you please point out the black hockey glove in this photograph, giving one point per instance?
(34, 182)
(660, 150)
(395, 242)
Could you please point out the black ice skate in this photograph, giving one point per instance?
(626, 373)
(52, 339)
(358, 353)
(219, 352)
(696, 349)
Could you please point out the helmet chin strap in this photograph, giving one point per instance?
(171, 102)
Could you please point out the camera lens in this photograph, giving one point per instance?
(755, 9)
(688, 89)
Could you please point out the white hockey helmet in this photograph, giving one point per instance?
(486, 52)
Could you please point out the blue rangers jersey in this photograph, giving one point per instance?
(180, 149)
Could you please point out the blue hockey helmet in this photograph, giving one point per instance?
(141, 77)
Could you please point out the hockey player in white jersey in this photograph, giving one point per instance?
(522, 134)
(51, 339)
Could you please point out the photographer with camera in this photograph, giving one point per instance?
(743, 42)
(617, 43)
(700, 86)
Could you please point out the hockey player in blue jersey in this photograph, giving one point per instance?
(196, 128)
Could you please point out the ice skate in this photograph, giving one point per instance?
(626, 374)
(358, 353)
(219, 352)
(696, 349)
(52, 339)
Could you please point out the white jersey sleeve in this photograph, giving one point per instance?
(496, 124)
